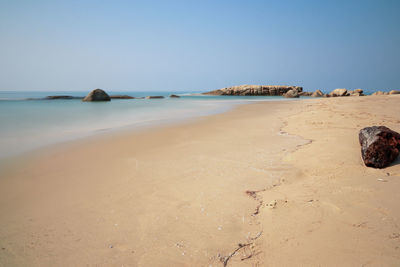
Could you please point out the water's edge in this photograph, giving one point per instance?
(28, 125)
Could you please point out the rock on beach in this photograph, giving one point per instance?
(317, 93)
(338, 92)
(379, 146)
(292, 94)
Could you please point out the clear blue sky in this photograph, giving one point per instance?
(198, 45)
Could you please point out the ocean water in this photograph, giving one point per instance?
(29, 124)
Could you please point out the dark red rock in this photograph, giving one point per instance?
(379, 146)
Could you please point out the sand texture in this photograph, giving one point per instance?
(267, 184)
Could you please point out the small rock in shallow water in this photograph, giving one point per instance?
(154, 97)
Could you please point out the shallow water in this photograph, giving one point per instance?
(29, 124)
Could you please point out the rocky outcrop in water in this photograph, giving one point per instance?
(57, 97)
(154, 97)
(262, 90)
(97, 95)
(379, 146)
(174, 96)
(121, 97)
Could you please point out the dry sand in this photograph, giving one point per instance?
(267, 184)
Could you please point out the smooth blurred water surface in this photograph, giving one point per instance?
(29, 124)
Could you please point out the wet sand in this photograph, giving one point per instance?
(267, 184)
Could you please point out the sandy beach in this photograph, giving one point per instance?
(266, 184)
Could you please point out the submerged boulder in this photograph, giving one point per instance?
(97, 95)
(379, 146)
(121, 97)
(292, 94)
(154, 97)
(317, 93)
(174, 96)
(57, 97)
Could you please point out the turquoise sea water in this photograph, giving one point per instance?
(30, 124)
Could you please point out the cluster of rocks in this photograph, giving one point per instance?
(288, 91)
(335, 93)
(393, 92)
(101, 95)
(254, 90)
(318, 93)
(344, 92)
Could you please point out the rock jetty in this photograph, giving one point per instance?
(262, 90)
(97, 95)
